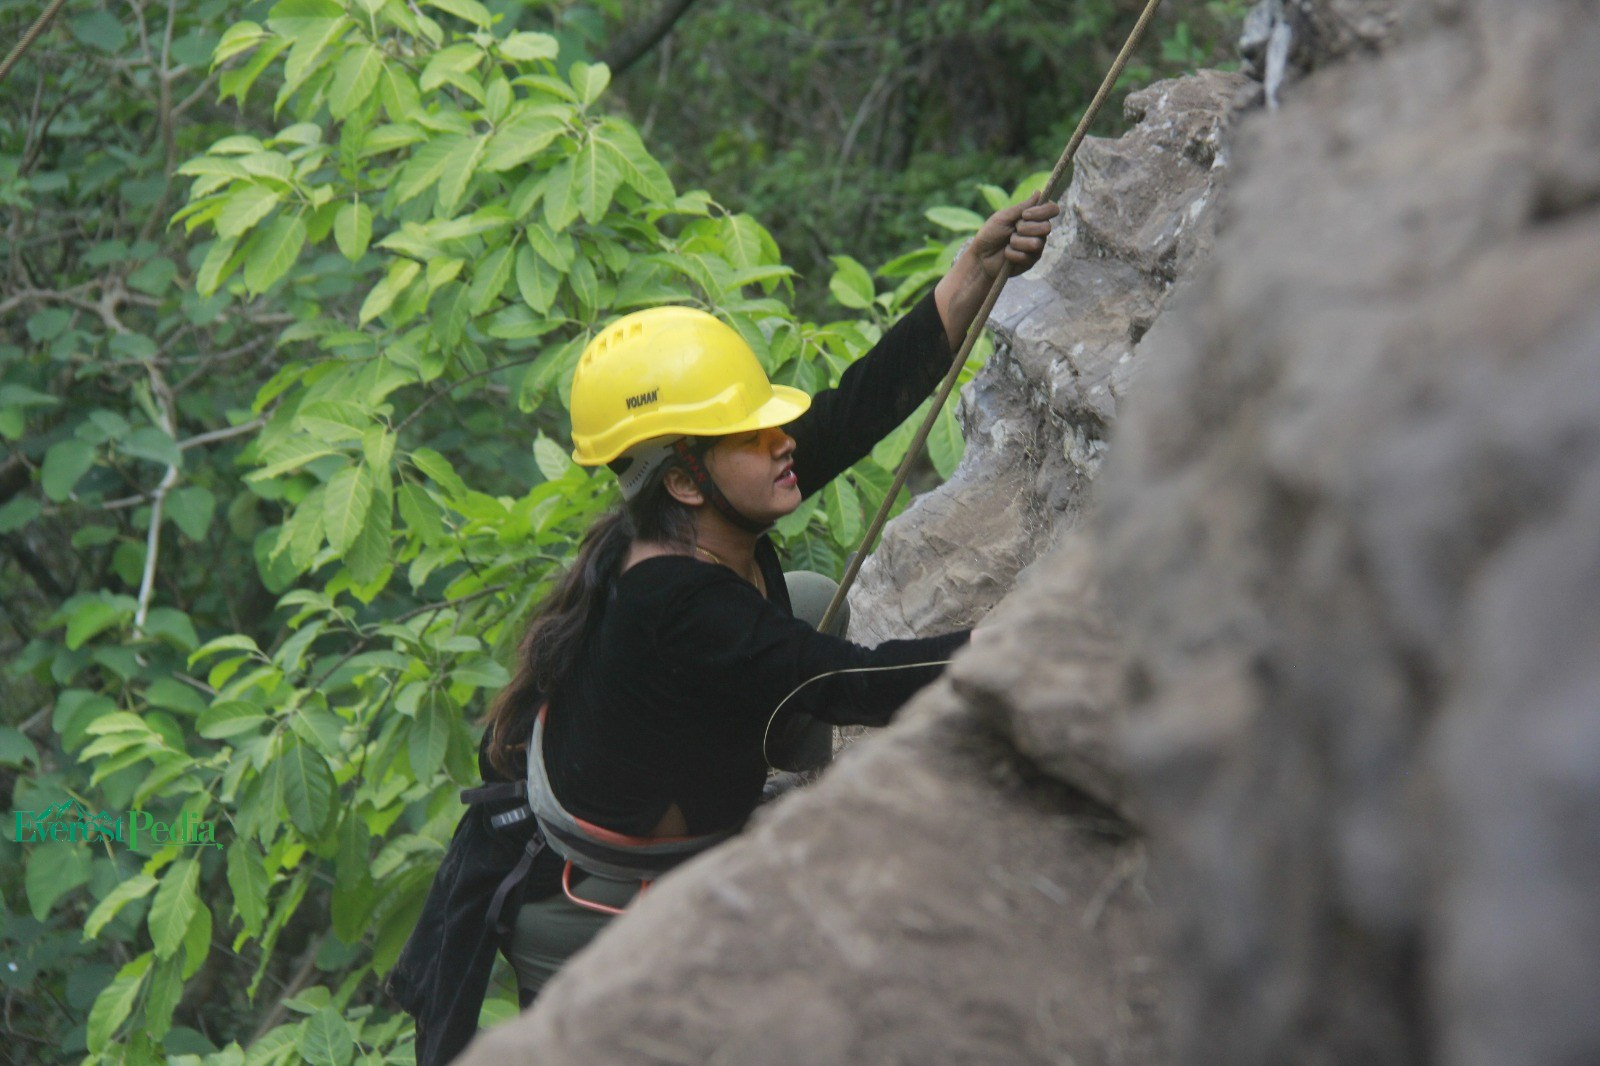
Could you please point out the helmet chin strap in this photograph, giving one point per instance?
(708, 488)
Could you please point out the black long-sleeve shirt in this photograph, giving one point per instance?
(670, 701)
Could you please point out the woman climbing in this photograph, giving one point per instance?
(668, 670)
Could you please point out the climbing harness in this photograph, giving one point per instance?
(1052, 191)
(594, 849)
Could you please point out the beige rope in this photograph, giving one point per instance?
(1052, 190)
(27, 38)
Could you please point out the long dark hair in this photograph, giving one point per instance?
(566, 618)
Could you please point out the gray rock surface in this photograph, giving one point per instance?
(1139, 210)
(1350, 527)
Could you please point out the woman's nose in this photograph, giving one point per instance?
(782, 445)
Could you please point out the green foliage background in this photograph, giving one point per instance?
(292, 295)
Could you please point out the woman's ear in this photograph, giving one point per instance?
(681, 487)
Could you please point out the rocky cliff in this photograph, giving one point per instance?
(1283, 746)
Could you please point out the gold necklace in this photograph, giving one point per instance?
(754, 577)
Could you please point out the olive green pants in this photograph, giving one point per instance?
(549, 931)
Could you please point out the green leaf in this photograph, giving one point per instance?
(449, 64)
(537, 280)
(958, 219)
(401, 274)
(307, 529)
(273, 252)
(944, 442)
(353, 897)
(484, 673)
(370, 552)
(377, 444)
(320, 728)
(843, 508)
(53, 871)
(419, 512)
(334, 421)
(490, 280)
(458, 172)
(354, 79)
(240, 37)
(633, 161)
(352, 230)
(247, 206)
(791, 524)
(306, 785)
(526, 47)
(191, 508)
(218, 264)
(64, 464)
(136, 887)
(148, 442)
(114, 1003)
(231, 642)
(345, 506)
(18, 513)
(560, 202)
(15, 748)
(1029, 185)
(247, 877)
(555, 249)
(310, 48)
(470, 10)
(590, 80)
(100, 29)
(326, 1039)
(430, 734)
(229, 718)
(173, 626)
(197, 940)
(22, 396)
(851, 285)
(290, 453)
(166, 989)
(595, 176)
(92, 617)
(439, 469)
(551, 458)
(175, 903)
(815, 554)
(994, 196)
(524, 136)
(425, 167)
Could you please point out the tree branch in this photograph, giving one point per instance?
(152, 550)
(635, 44)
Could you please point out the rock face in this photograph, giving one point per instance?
(1350, 527)
(1139, 211)
(1290, 752)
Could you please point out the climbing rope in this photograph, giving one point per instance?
(27, 38)
(1052, 190)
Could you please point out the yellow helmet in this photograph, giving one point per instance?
(670, 372)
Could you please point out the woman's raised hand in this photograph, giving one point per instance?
(1016, 234)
